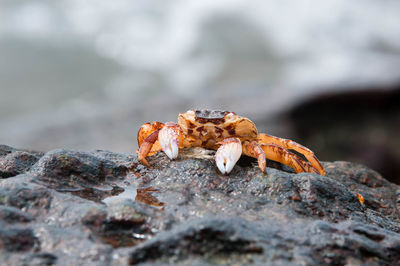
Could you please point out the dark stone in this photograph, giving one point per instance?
(291, 199)
(63, 168)
(126, 223)
(203, 237)
(16, 239)
(34, 200)
(217, 239)
(79, 172)
(361, 125)
(103, 208)
(4, 150)
(14, 162)
(40, 259)
(13, 215)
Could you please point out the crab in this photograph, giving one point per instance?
(227, 133)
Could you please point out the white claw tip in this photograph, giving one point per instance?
(228, 154)
(168, 139)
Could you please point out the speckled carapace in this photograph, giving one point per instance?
(229, 134)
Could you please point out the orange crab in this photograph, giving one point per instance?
(227, 133)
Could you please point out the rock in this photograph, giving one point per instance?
(15, 239)
(105, 208)
(126, 223)
(32, 199)
(13, 215)
(39, 259)
(360, 126)
(14, 162)
(204, 237)
(63, 168)
(82, 173)
(220, 241)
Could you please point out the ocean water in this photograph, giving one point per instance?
(86, 74)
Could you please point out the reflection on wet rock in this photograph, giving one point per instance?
(125, 223)
(145, 195)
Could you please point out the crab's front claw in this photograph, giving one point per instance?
(228, 154)
(168, 137)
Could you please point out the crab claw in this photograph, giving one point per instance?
(168, 137)
(228, 154)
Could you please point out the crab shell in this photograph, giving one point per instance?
(203, 128)
(206, 128)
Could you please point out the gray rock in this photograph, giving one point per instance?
(16, 239)
(105, 208)
(359, 126)
(14, 162)
(13, 215)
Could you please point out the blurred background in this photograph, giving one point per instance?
(86, 74)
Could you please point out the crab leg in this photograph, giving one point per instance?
(289, 144)
(147, 141)
(169, 139)
(228, 154)
(254, 150)
(282, 155)
(145, 148)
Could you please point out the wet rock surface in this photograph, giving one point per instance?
(102, 208)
